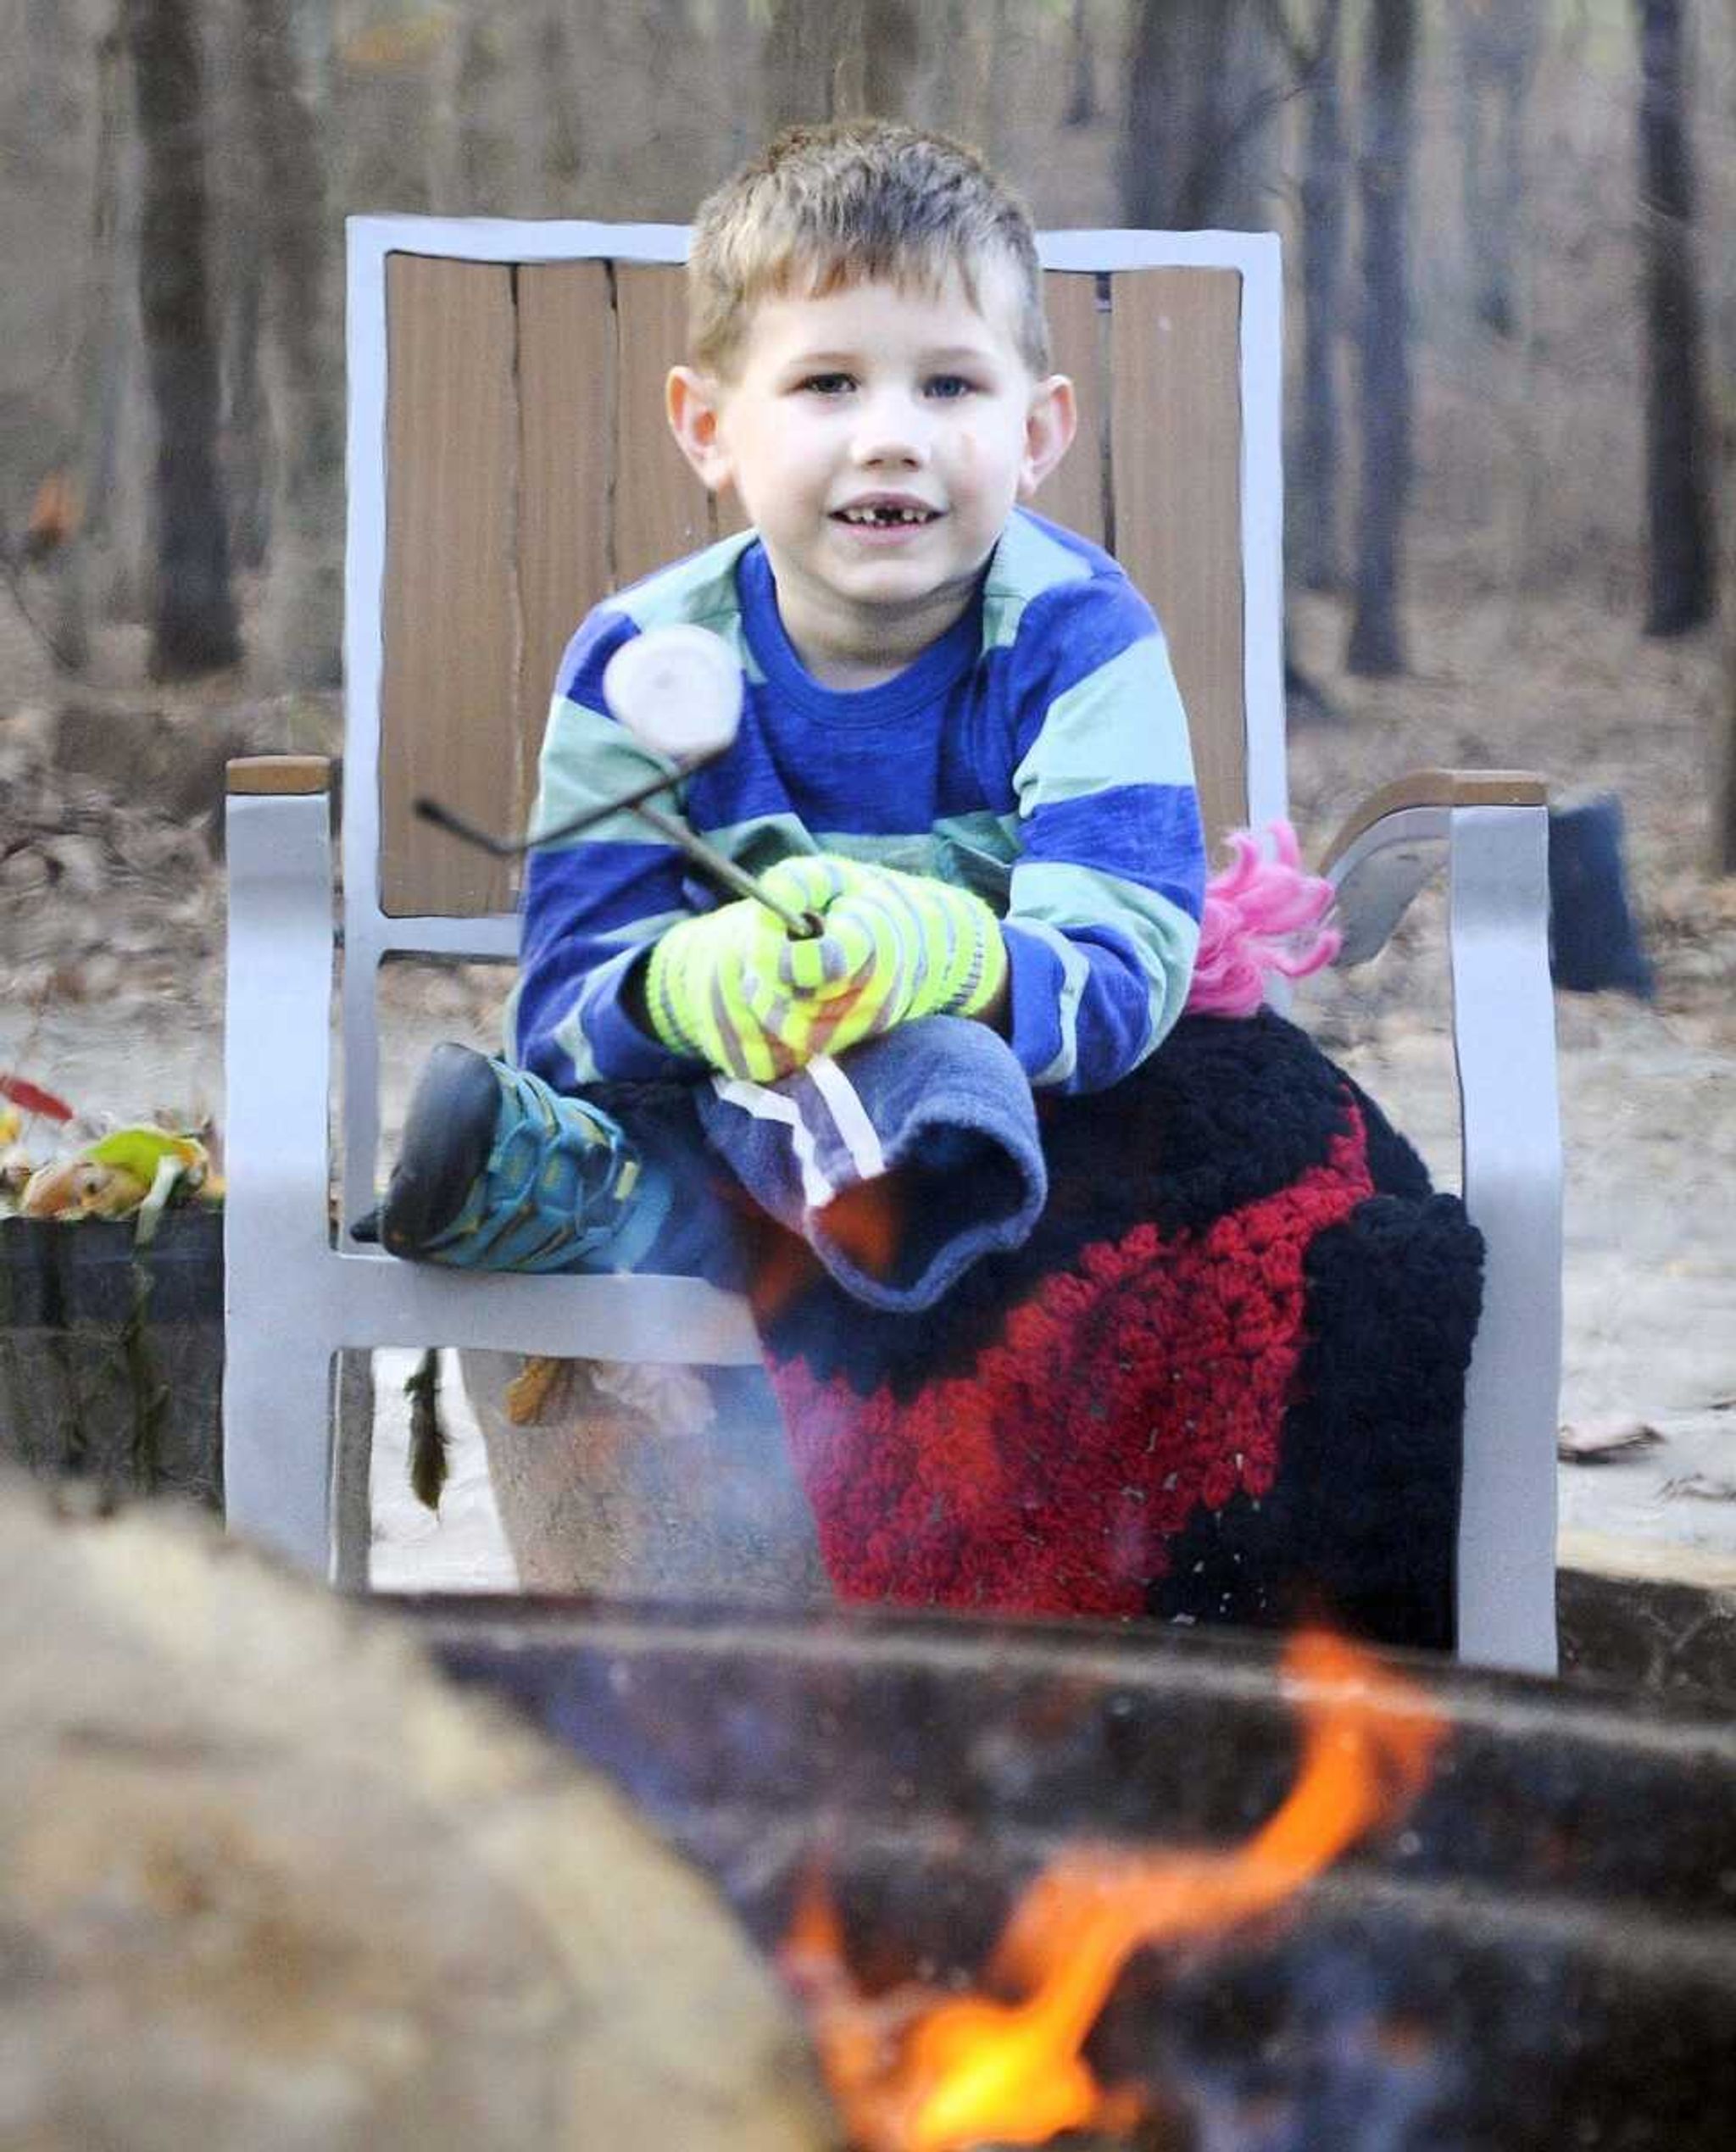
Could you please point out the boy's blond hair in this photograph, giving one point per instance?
(822, 208)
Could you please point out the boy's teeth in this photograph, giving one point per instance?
(885, 515)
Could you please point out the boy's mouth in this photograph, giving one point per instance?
(885, 515)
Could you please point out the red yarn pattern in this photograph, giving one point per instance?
(1151, 1378)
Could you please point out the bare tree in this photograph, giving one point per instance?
(1723, 843)
(1376, 647)
(1203, 90)
(1082, 68)
(825, 59)
(1497, 44)
(303, 589)
(194, 628)
(549, 138)
(1314, 549)
(1681, 589)
(88, 514)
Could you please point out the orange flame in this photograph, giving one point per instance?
(913, 2072)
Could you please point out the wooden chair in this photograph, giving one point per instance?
(508, 463)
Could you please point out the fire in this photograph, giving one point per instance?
(914, 2071)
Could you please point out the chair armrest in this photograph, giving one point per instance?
(1392, 843)
(279, 774)
(281, 950)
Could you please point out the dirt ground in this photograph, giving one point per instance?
(112, 963)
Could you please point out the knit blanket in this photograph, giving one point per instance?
(1222, 1380)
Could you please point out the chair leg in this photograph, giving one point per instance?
(277, 1449)
(1503, 1033)
(352, 1470)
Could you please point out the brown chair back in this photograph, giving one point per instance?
(530, 472)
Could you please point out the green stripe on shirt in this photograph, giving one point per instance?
(1066, 759)
(1061, 894)
(1026, 563)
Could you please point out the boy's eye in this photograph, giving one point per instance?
(947, 388)
(827, 384)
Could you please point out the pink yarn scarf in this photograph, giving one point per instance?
(1263, 915)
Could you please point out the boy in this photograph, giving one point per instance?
(1193, 1346)
(962, 745)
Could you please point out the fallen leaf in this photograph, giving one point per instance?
(82, 1187)
(33, 1098)
(141, 1149)
(1601, 1442)
(55, 515)
(527, 1392)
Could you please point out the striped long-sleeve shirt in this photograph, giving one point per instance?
(1036, 754)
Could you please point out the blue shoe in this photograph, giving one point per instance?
(497, 1171)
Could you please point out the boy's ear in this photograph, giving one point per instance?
(690, 400)
(1049, 426)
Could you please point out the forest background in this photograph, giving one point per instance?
(1510, 446)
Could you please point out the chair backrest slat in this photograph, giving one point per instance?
(566, 383)
(1175, 434)
(1075, 494)
(450, 626)
(530, 470)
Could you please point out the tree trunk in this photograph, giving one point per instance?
(1202, 95)
(303, 598)
(809, 45)
(942, 94)
(1376, 646)
(827, 59)
(996, 94)
(738, 37)
(1169, 46)
(1497, 53)
(194, 628)
(486, 137)
(547, 141)
(891, 42)
(1081, 70)
(247, 475)
(104, 345)
(1723, 832)
(1723, 843)
(1315, 547)
(1680, 592)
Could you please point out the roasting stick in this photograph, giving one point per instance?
(678, 691)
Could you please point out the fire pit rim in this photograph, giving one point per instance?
(1240, 1667)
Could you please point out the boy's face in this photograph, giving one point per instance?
(877, 439)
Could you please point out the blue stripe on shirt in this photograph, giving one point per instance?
(1148, 835)
(609, 886)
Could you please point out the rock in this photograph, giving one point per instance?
(266, 1881)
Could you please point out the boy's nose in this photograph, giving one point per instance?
(891, 429)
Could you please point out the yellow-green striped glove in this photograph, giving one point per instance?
(703, 982)
(895, 947)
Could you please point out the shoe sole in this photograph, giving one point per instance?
(447, 1137)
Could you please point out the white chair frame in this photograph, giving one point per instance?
(296, 1293)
